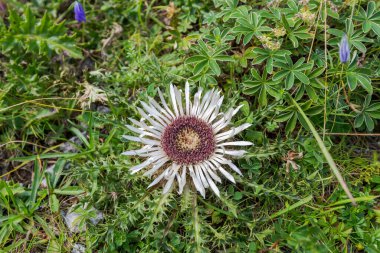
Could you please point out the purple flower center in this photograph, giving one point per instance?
(188, 140)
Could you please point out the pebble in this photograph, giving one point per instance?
(78, 248)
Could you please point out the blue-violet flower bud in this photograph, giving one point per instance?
(344, 50)
(80, 15)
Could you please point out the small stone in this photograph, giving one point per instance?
(99, 217)
(69, 147)
(49, 170)
(72, 220)
(78, 248)
(103, 109)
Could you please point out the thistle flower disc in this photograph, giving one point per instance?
(186, 139)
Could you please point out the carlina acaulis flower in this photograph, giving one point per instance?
(344, 49)
(187, 141)
(79, 13)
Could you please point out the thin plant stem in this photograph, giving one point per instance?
(346, 98)
(326, 65)
(354, 134)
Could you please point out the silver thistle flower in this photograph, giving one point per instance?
(189, 139)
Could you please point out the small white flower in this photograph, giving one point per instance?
(189, 139)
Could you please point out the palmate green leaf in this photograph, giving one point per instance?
(219, 38)
(42, 36)
(356, 75)
(225, 58)
(263, 54)
(367, 114)
(215, 67)
(370, 18)
(291, 71)
(195, 59)
(279, 75)
(201, 67)
(367, 100)
(206, 78)
(261, 86)
(284, 116)
(245, 56)
(302, 77)
(230, 7)
(208, 57)
(369, 122)
(364, 81)
(291, 115)
(351, 81)
(291, 125)
(374, 114)
(249, 25)
(373, 110)
(359, 120)
(289, 80)
(295, 31)
(309, 90)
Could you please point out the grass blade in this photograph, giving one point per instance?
(325, 152)
(289, 208)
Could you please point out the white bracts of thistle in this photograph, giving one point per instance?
(187, 140)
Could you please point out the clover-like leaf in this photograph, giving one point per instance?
(207, 58)
(262, 85)
(249, 24)
(368, 113)
(269, 56)
(356, 75)
(370, 18)
(291, 71)
(291, 115)
(296, 31)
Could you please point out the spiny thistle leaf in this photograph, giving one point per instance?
(32, 35)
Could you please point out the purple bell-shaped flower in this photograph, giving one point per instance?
(344, 50)
(80, 15)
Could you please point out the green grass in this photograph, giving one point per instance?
(67, 91)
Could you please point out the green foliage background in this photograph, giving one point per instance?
(64, 84)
